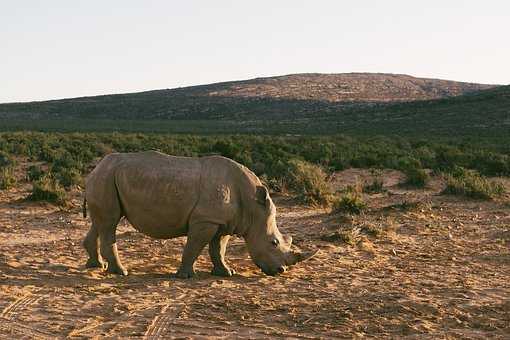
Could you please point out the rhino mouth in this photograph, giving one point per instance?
(272, 272)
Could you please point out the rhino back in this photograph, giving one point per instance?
(157, 191)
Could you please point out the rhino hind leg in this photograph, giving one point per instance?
(199, 235)
(91, 245)
(108, 245)
(104, 220)
(217, 249)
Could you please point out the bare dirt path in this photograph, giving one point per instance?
(438, 268)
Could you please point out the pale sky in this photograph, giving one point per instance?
(53, 49)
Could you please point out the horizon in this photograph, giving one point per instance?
(239, 80)
(81, 50)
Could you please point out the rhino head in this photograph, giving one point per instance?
(269, 249)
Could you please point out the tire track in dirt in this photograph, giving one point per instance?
(10, 314)
(11, 326)
(159, 327)
(167, 325)
(194, 328)
(14, 309)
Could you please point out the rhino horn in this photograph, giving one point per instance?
(296, 257)
(288, 240)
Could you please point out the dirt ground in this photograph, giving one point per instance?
(416, 265)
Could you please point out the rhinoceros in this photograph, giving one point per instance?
(208, 199)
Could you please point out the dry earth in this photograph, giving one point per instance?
(421, 265)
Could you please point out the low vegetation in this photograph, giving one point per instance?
(416, 176)
(297, 164)
(309, 183)
(471, 184)
(34, 173)
(7, 178)
(376, 185)
(48, 189)
(351, 201)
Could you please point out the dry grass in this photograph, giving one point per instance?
(471, 184)
(7, 178)
(49, 190)
(309, 183)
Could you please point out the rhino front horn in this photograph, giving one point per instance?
(302, 256)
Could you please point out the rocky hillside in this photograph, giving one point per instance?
(275, 98)
(346, 87)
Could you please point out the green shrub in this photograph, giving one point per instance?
(471, 184)
(5, 160)
(351, 203)
(309, 183)
(68, 177)
(415, 175)
(49, 190)
(34, 172)
(7, 178)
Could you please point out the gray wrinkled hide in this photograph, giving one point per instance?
(164, 196)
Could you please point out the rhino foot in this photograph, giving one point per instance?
(94, 263)
(185, 274)
(223, 271)
(117, 270)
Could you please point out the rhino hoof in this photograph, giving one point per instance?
(225, 271)
(118, 271)
(93, 263)
(184, 274)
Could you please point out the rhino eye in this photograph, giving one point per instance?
(275, 242)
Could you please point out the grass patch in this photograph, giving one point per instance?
(416, 176)
(350, 202)
(49, 190)
(6, 160)
(376, 186)
(68, 177)
(471, 184)
(7, 178)
(309, 183)
(34, 173)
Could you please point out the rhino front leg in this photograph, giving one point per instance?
(199, 235)
(217, 249)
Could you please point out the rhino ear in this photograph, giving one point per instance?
(262, 195)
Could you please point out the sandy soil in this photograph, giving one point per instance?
(422, 266)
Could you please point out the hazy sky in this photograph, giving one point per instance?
(56, 49)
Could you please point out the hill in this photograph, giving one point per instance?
(484, 113)
(275, 98)
(277, 105)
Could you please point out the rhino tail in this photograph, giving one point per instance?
(84, 207)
